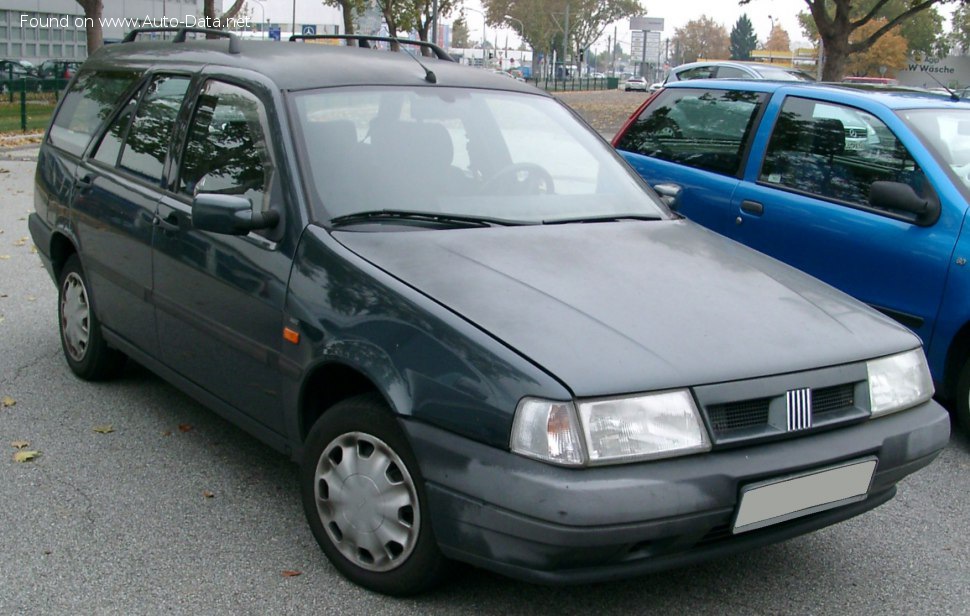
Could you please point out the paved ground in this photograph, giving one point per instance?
(120, 523)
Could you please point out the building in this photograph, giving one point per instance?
(36, 30)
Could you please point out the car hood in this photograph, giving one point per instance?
(621, 307)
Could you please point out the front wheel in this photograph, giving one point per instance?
(364, 499)
(961, 409)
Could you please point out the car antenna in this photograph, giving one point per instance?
(429, 75)
(953, 95)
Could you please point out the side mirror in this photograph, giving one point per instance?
(229, 215)
(902, 198)
(669, 194)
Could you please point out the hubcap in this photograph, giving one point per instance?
(367, 501)
(75, 316)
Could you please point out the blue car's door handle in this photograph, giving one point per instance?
(752, 207)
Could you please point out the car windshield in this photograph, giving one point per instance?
(783, 74)
(501, 156)
(947, 131)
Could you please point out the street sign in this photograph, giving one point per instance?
(309, 29)
(653, 24)
(274, 33)
(636, 44)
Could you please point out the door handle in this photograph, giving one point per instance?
(85, 182)
(169, 223)
(752, 207)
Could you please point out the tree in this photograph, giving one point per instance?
(702, 38)
(459, 33)
(960, 36)
(424, 17)
(590, 17)
(350, 9)
(884, 57)
(743, 39)
(93, 9)
(778, 40)
(923, 31)
(212, 20)
(837, 20)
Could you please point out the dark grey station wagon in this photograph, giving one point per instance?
(479, 333)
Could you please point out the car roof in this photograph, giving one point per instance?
(302, 66)
(889, 96)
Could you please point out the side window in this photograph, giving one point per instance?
(731, 72)
(227, 151)
(705, 129)
(110, 147)
(151, 130)
(86, 105)
(698, 72)
(835, 152)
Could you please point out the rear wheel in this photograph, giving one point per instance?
(85, 349)
(364, 499)
(961, 409)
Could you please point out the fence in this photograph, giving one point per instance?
(552, 84)
(26, 104)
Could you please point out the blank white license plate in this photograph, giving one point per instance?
(778, 500)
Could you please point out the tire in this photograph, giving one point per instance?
(961, 407)
(356, 459)
(85, 349)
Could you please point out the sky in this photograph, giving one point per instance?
(675, 14)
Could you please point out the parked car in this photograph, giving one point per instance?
(57, 69)
(788, 169)
(723, 69)
(635, 83)
(13, 74)
(479, 333)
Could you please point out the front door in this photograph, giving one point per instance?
(219, 298)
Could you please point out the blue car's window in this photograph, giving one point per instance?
(705, 129)
(947, 132)
(835, 152)
(517, 157)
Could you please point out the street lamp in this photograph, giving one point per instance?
(484, 36)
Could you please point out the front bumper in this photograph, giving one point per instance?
(548, 524)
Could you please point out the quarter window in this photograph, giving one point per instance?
(86, 105)
(836, 152)
(705, 129)
(110, 146)
(227, 151)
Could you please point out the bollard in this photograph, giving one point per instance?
(23, 106)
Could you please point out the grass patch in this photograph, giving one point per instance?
(38, 115)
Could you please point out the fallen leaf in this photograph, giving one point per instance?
(167, 433)
(103, 429)
(21, 242)
(31, 298)
(25, 456)
(19, 444)
(208, 494)
(185, 427)
(4, 257)
(291, 573)
(33, 250)
(7, 401)
(2, 295)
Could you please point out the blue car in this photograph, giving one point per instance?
(864, 189)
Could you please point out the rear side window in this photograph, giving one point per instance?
(86, 105)
(148, 137)
(704, 129)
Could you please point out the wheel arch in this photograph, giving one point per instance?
(327, 384)
(956, 356)
(61, 249)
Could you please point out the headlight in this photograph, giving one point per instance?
(898, 382)
(613, 430)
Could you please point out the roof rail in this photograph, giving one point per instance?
(365, 39)
(182, 31)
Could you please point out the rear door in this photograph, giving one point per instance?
(696, 138)
(806, 202)
(219, 298)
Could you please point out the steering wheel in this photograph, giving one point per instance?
(520, 179)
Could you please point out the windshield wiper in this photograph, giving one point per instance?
(601, 218)
(426, 218)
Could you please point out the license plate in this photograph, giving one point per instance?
(778, 500)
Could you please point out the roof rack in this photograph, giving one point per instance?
(365, 41)
(182, 31)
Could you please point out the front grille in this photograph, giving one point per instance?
(740, 421)
(739, 415)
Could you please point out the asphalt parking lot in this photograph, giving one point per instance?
(143, 502)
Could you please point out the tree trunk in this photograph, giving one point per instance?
(93, 10)
(835, 48)
(348, 12)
